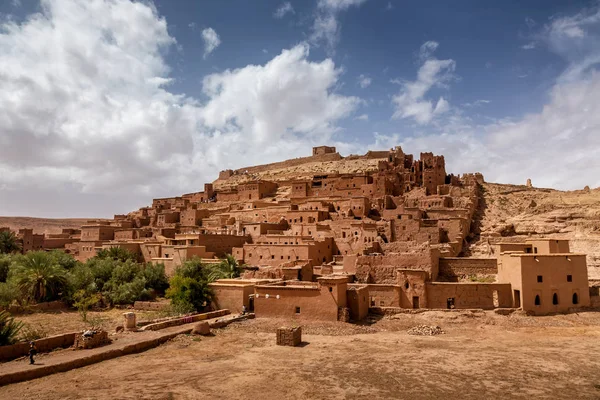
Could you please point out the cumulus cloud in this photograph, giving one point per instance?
(411, 101)
(283, 9)
(362, 117)
(100, 132)
(211, 41)
(326, 28)
(364, 81)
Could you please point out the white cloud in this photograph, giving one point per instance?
(362, 117)
(476, 103)
(283, 9)
(364, 81)
(325, 26)
(556, 147)
(99, 132)
(528, 46)
(192, 25)
(389, 6)
(411, 101)
(211, 41)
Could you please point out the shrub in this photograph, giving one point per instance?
(8, 294)
(155, 277)
(5, 261)
(188, 294)
(83, 302)
(9, 329)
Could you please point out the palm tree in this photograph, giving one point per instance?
(39, 277)
(228, 268)
(9, 243)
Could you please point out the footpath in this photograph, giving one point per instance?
(123, 344)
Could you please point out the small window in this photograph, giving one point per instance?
(297, 310)
(555, 299)
(382, 303)
(330, 289)
(272, 257)
(575, 298)
(540, 279)
(535, 250)
(569, 278)
(537, 300)
(406, 285)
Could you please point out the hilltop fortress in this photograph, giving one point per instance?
(327, 237)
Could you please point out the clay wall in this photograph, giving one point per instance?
(97, 233)
(469, 295)
(383, 268)
(87, 250)
(381, 295)
(294, 217)
(289, 163)
(549, 246)
(358, 302)
(231, 296)
(413, 292)
(167, 217)
(455, 267)
(314, 302)
(320, 150)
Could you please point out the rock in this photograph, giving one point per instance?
(425, 330)
(119, 328)
(201, 328)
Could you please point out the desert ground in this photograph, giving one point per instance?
(481, 355)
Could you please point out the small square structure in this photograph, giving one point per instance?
(289, 336)
(100, 338)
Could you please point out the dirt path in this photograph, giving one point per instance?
(492, 358)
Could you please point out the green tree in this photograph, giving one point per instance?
(9, 329)
(188, 288)
(38, 276)
(9, 243)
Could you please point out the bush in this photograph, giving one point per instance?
(156, 278)
(9, 329)
(83, 301)
(188, 288)
(5, 261)
(8, 294)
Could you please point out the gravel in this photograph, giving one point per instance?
(425, 330)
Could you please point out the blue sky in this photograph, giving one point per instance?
(108, 103)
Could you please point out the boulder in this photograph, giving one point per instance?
(201, 328)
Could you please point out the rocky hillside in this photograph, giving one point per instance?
(42, 225)
(514, 213)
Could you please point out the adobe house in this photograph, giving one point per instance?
(233, 294)
(547, 281)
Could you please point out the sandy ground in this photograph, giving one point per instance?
(481, 355)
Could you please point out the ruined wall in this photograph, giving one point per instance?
(382, 268)
(384, 295)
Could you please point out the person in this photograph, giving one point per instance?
(32, 352)
(243, 310)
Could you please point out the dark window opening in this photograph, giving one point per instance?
(297, 310)
(450, 303)
(406, 285)
(330, 289)
(575, 298)
(555, 299)
(537, 301)
(540, 279)
(569, 278)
